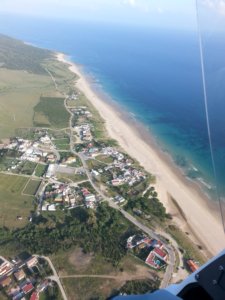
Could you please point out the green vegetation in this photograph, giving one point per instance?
(74, 178)
(103, 232)
(51, 112)
(105, 159)
(189, 249)
(148, 204)
(103, 288)
(51, 293)
(95, 288)
(26, 168)
(64, 78)
(75, 261)
(65, 155)
(40, 170)
(20, 92)
(13, 203)
(94, 164)
(16, 55)
(8, 158)
(62, 144)
(32, 187)
(136, 287)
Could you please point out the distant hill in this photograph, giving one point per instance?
(16, 55)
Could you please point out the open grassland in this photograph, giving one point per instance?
(19, 93)
(100, 288)
(20, 89)
(17, 55)
(31, 187)
(62, 144)
(188, 247)
(63, 77)
(89, 288)
(51, 112)
(71, 177)
(12, 202)
(75, 262)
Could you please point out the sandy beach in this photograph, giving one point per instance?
(203, 222)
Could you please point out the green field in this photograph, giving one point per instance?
(62, 144)
(51, 112)
(24, 77)
(95, 288)
(40, 170)
(17, 55)
(71, 177)
(32, 187)
(19, 93)
(12, 202)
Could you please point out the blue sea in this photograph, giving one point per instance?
(156, 75)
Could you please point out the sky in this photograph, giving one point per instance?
(152, 12)
(158, 13)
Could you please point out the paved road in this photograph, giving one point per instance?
(170, 267)
(169, 270)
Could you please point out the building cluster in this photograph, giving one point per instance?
(121, 168)
(32, 150)
(84, 132)
(127, 175)
(89, 198)
(81, 111)
(73, 96)
(119, 199)
(57, 194)
(154, 253)
(19, 280)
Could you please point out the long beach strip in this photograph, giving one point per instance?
(204, 222)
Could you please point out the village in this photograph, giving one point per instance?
(63, 173)
(25, 277)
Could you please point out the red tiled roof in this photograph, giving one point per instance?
(149, 260)
(160, 252)
(27, 288)
(34, 296)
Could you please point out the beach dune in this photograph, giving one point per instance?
(203, 221)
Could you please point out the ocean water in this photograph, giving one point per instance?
(156, 75)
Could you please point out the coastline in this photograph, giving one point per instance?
(202, 217)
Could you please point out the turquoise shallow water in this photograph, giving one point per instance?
(156, 75)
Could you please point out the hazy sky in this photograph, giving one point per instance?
(171, 13)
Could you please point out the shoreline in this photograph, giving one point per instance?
(203, 219)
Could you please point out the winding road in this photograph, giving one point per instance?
(171, 263)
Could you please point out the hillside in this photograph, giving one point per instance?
(16, 55)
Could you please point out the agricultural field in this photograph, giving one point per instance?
(40, 170)
(24, 77)
(19, 93)
(62, 144)
(31, 187)
(13, 202)
(51, 112)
